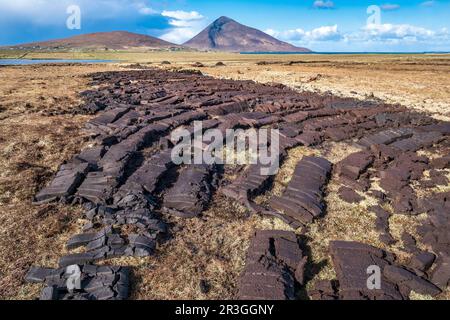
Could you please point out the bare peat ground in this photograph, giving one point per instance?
(211, 247)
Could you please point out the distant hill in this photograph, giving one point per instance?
(225, 34)
(116, 40)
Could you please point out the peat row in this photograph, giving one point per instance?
(128, 183)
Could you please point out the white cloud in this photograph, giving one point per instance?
(389, 7)
(384, 37)
(403, 37)
(178, 26)
(325, 33)
(179, 35)
(186, 25)
(399, 32)
(182, 15)
(147, 11)
(428, 3)
(320, 4)
(52, 12)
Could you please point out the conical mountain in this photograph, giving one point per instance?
(225, 34)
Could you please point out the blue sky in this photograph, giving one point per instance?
(321, 25)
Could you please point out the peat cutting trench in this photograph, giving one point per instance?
(129, 185)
